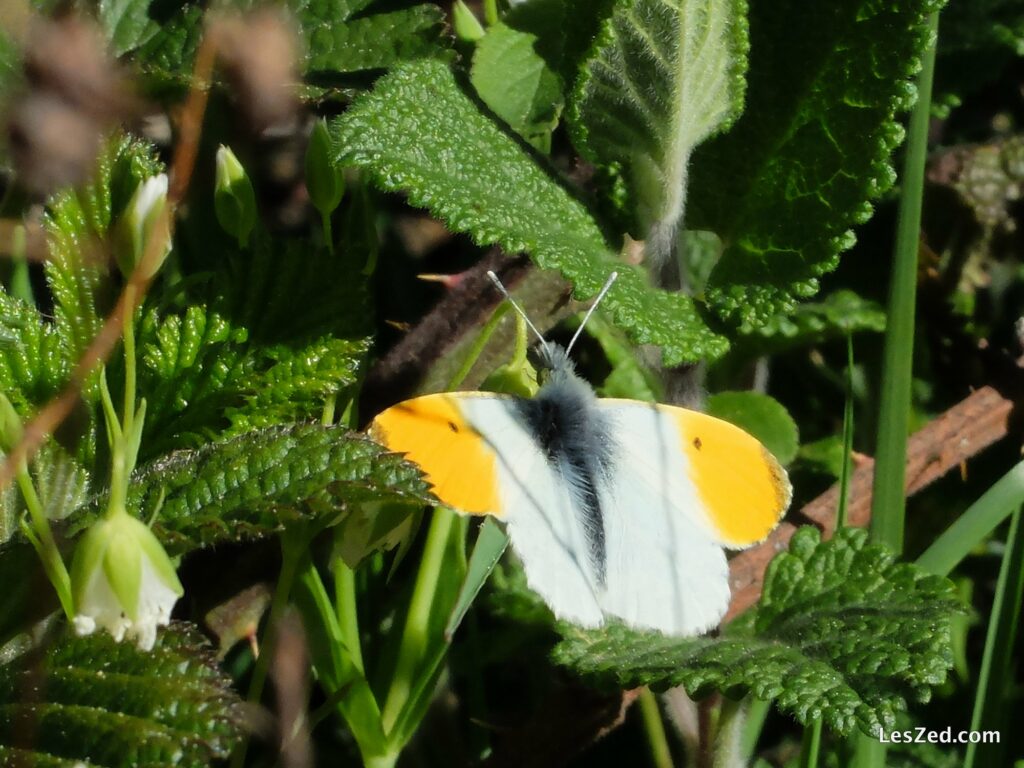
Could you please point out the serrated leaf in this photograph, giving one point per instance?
(250, 486)
(270, 340)
(762, 416)
(78, 224)
(662, 77)
(843, 632)
(472, 175)
(374, 42)
(513, 80)
(109, 704)
(126, 23)
(812, 149)
(34, 365)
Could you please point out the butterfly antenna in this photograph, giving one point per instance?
(608, 284)
(516, 307)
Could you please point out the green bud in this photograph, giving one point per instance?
(122, 580)
(234, 199)
(516, 378)
(468, 28)
(139, 223)
(324, 180)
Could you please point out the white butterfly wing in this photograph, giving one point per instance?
(664, 570)
(545, 531)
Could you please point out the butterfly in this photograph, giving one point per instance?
(617, 508)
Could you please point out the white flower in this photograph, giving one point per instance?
(123, 581)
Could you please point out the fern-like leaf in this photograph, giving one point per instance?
(94, 702)
(843, 632)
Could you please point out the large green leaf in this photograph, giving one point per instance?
(251, 485)
(94, 702)
(812, 149)
(419, 133)
(843, 632)
(663, 76)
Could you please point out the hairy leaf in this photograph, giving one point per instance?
(249, 486)
(762, 416)
(514, 81)
(94, 702)
(843, 632)
(811, 150)
(662, 77)
(34, 365)
(468, 172)
(78, 224)
(374, 42)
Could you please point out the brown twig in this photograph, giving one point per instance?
(943, 444)
(44, 423)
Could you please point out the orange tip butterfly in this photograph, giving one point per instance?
(617, 508)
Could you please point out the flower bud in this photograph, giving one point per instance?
(234, 199)
(467, 27)
(122, 580)
(324, 180)
(142, 221)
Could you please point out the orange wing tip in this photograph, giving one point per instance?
(744, 489)
(431, 432)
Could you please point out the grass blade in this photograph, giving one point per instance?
(996, 676)
(975, 524)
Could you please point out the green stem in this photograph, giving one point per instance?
(650, 712)
(811, 744)
(345, 608)
(325, 219)
(21, 284)
(491, 12)
(415, 636)
(478, 346)
(847, 470)
(46, 547)
(994, 680)
(888, 501)
(755, 712)
(128, 334)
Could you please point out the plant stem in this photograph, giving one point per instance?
(46, 547)
(650, 712)
(491, 12)
(888, 500)
(847, 470)
(994, 679)
(325, 219)
(811, 744)
(728, 743)
(128, 334)
(478, 346)
(345, 607)
(415, 636)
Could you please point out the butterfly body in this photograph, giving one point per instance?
(616, 507)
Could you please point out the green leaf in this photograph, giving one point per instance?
(78, 223)
(34, 364)
(837, 315)
(762, 416)
(269, 340)
(250, 486)
(96, 702)
(126, 23)
(167, 56)
(374, 42)
(513, 80)
(662, 77)
(472, 175)
(812, 149)
(843, 632)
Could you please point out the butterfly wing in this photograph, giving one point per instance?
(685, 486)
(479, 459)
